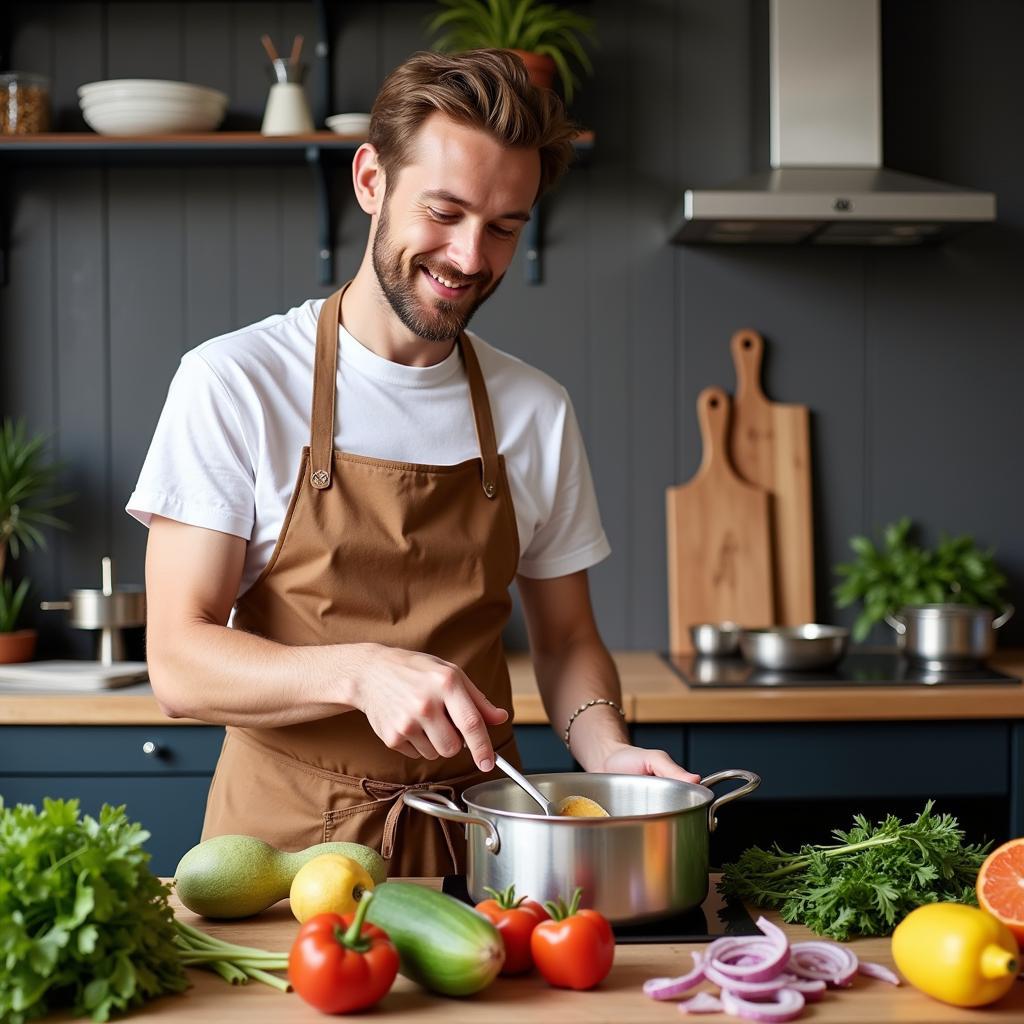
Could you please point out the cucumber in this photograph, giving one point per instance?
(442, 944)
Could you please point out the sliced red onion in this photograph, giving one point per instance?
(879, 971)
(747, 989)
(788, 1005)
(702, 1002)
(825, 961)
(812, 990)
(669, 988)
(772, 956)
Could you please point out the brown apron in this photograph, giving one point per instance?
(411, 556)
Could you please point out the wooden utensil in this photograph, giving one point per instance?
(770, 447)
(719, 546)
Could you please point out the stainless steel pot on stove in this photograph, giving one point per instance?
(943, 635)
(648, 859)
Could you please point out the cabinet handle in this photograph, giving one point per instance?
(151, 749)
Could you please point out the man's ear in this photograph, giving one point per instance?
(368, 179)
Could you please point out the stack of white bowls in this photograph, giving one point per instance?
(147, 106)
(357, 125)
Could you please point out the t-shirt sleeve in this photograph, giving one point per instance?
(571, 538)
(199, 469)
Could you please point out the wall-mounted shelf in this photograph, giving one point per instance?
(317, 149)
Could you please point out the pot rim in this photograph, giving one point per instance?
(946, 608)
(567, 820)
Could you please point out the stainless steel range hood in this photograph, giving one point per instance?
(827, 184)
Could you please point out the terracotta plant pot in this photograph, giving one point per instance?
(539, 66)
(17, 646)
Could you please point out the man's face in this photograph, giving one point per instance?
(449, 224)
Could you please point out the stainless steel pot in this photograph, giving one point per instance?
(941, 635)
(783, 648)
(647, 860)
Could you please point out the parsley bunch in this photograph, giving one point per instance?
(83, 922)
(868, 882)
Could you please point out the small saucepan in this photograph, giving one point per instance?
(648, 859)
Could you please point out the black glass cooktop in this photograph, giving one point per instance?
(858, 668)
(712, 919)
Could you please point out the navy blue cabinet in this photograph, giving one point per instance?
(160, 773)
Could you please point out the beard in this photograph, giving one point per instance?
(432, 320)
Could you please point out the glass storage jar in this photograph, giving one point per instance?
(24, 103)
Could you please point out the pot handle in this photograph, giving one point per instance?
(440, 806)
(753, 781)
(1004, 617)
(897, 623)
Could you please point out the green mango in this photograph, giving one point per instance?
(238, 876)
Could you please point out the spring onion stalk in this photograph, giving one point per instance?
(235, 964)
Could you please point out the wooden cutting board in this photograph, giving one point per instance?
(719, 547)
(770, 447)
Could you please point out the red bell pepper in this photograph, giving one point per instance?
(575, 949)
(339, 964)
(515, 920)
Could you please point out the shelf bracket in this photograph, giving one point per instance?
(534, 241)
(322, 68)
(325, 253)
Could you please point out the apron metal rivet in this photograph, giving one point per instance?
(320, 478)
(489, 489)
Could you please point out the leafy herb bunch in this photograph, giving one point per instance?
(901, 572)
(83, 922)
(868, 882)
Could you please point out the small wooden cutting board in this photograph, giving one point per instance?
(719, 546)
(770, 447)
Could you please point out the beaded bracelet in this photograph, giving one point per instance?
(583, 707)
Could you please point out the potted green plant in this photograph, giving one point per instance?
(546, 36)
(899, 574)
(26, 501)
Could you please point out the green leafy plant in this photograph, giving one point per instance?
(900, 572)
(866, 883)
(85, 924)
(27, 478)
(542, 28)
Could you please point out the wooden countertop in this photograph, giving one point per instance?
(529, 999)
(651, 689)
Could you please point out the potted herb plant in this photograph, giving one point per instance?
(899, 574)
(26, 501)
(546, 36)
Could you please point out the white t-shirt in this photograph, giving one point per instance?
(225, 454)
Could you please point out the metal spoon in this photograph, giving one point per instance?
(520, 780)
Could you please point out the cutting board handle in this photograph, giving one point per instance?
(747, 355)
(713, 415)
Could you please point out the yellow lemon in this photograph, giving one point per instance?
(330, 883)
(956, 953)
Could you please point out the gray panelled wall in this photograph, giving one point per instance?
(910, 360)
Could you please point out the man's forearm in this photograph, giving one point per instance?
(227, 676)
(569, 677)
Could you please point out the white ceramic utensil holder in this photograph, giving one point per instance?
(287, 111)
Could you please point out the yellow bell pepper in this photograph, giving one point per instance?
(955, 953)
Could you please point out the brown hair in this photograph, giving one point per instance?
(486, 89)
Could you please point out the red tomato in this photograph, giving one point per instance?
(576, 948)
(339, 964)
(515, 921)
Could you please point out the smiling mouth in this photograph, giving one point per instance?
(443, 286)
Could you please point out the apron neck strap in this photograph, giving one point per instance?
(325, 386)
(485, 435)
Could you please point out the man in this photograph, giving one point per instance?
(366, 598)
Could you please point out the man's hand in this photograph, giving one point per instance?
(422, 706)
(627, 760)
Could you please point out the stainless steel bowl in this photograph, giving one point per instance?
(648, 859)
(794, 648)
(715, 639)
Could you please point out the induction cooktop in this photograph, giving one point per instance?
(858, 668)
(714, 918)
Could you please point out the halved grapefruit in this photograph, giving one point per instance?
(1000, 886)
